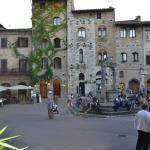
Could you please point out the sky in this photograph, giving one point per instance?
(17, 13)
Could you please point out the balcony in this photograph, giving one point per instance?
(15, 71)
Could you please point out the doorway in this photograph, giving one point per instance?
(81, 88)
(134, 85)
(43, 89)
(57, 88)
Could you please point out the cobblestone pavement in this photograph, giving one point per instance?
(66, 131)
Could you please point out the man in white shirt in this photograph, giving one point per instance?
(142, 124)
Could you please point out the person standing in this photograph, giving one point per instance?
(50, 106)
(37, 97)
(142, 124)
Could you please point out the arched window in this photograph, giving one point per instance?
(44, 43)
(81, 76)
(148, 83)
(121, 74)
(44, 63)
(82, 32)
(81, 56)
(98, 73)
(57, 43)
(102, 32)
(57, 63)
(57, 21)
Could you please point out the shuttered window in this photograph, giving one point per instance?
(148, 60)
(3, 42)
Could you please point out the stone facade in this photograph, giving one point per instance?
(95, 41)
(15, 69)
(131, 71)
(106, 39)
(145, 71)
(92, 45)
(58, 84)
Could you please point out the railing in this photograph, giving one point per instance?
(15, 71)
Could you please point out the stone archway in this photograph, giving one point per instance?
(134, 85)
(57, 87)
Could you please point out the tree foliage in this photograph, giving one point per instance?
(45, 30)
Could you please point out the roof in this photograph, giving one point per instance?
(132, 23)
(93, 10)
(15, 30)
(2, 27)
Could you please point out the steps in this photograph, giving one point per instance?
(106, 109)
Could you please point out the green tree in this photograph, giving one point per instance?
(45, 30)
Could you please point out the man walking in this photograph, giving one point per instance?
(142, 124)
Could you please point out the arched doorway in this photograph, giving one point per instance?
(148, 83)
(81, 88)
(134, 85)
(43, 88)
(57, 88)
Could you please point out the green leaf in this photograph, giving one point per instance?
(3, 130)
(8, 138)
(8, 146)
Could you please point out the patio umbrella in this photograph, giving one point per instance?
(20, 87)
(3, 88)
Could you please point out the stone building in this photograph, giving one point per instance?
(15, 47)
(54, 41)
(145, 71)
(101, 53)
(90, 43)
(132, 52)
(94, 51)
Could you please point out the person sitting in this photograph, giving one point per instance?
(50, 103)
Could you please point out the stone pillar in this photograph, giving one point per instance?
(114, 78)
(103, 89)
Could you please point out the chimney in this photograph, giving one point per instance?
(138, 18)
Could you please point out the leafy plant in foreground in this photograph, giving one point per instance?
(4, 141)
